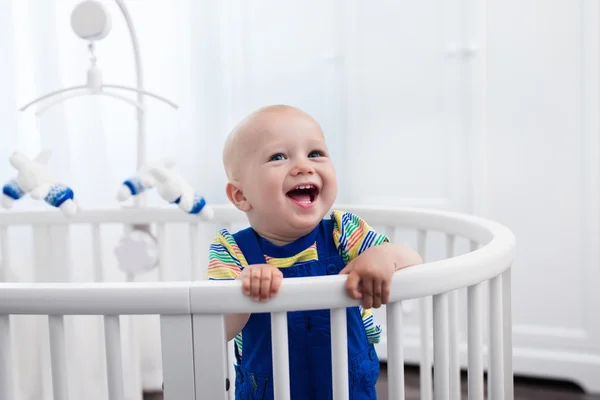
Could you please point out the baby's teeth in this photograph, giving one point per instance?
(305, 187)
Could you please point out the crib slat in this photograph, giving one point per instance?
(426, 384)
(231, 369)
(395, 345)
(5, 266)
(231, 361)
(425, 323)
(163, 256)
(177, 356)
(339, 353)
(473, 245)
(97, 253)
(496, 351)
(5, 359)
(281, 372)
(475, 341)
(441, 358)
(114, 362)
(507, 333)
(422, 243)
(58, 357)
(195, 273)
(426, 362)
(59, 246)
(454, 343)
(454, 329)
(450, 242)
(210, 357)
(395, 351)
(42, 248)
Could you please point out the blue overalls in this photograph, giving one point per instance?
(308, 331)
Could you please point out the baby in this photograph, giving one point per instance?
(281, 176)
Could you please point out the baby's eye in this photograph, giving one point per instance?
(277, 157)
(315, 153)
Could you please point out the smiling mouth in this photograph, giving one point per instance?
(303, 194)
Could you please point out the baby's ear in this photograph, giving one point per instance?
(236, 197)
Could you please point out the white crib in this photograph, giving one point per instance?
(195, 359)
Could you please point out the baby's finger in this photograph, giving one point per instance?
(276, 282)
(377, 294)
(352, 285)
(265, 285)
(255, 283)
(367, 293)
(245, 277)
(385, 295)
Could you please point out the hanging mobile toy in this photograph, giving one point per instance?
(33, 177)
(91, 21)
(142, 180)
(172, 188)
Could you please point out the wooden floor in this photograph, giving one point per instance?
(525, 389)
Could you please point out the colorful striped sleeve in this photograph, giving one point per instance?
(225, 260)
(352, 235)
(373, 331)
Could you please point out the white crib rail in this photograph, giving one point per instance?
(111, 300)
(438, 279)
(191, 337)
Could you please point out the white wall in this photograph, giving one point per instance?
(542, 176)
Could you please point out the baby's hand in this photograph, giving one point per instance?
(370, 276)
(261, 281)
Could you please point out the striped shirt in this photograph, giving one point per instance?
(351, 234)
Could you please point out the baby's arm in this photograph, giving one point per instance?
(260, 282)
(370, 273)
(234, 323)
(370, 259)
(226, 262)
(403, 256)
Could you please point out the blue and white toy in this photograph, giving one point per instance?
(169, 185)
(143, 180)
(33, 177)
(172, 188)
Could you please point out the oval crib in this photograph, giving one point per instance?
(195, 359)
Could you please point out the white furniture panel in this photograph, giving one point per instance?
(510, 132)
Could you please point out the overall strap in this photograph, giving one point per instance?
(326, 245)
(249, 245)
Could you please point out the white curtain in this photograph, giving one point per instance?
(217, 61)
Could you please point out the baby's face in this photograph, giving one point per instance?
(289, 179)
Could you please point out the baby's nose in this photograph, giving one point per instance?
(303, 167)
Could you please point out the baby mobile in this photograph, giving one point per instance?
(91, 21)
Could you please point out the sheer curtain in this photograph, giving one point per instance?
(217, 61)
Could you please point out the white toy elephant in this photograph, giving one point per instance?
(33, 177)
